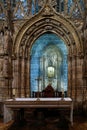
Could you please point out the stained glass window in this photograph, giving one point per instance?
(70, 2)
(22, 8)
(49, 61)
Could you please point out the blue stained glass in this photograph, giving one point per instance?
(2, 16)
(37, 51)
(35, 8)
(18, 14)
(82, 4)
(70, 2)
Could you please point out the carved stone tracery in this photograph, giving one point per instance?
(47, 20)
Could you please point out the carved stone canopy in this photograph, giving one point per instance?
(47, 20)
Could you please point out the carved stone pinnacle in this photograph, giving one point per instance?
(47, 1)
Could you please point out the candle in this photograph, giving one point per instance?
(62, 90)
(13, 91)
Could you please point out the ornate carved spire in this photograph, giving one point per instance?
(9, 17)
(48, 8)
(47, 1)
(29, 6)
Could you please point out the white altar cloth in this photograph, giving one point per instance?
(41, 99)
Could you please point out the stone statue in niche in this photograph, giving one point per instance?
(6, 41)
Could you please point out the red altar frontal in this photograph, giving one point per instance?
(16, 104)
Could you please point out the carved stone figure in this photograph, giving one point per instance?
(7, 43)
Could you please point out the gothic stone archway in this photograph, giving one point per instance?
(47, 20)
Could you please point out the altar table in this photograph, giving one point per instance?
(16, 104)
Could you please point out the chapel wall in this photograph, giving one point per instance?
(15, 71)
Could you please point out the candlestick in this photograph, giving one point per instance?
(62, 93)
(38, 79)
(62, 90)
(13, 91)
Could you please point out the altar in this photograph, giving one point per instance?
(12, 105)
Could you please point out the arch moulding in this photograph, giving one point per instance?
(47, 20)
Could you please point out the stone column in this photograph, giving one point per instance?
(27, 78)
(79, 78)
(85, 76)
(19, 76)
(70, 72)
(1, 78)
(22, 77)
(7, 64)
(74, 72)
(6, 77)
(15, 84)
